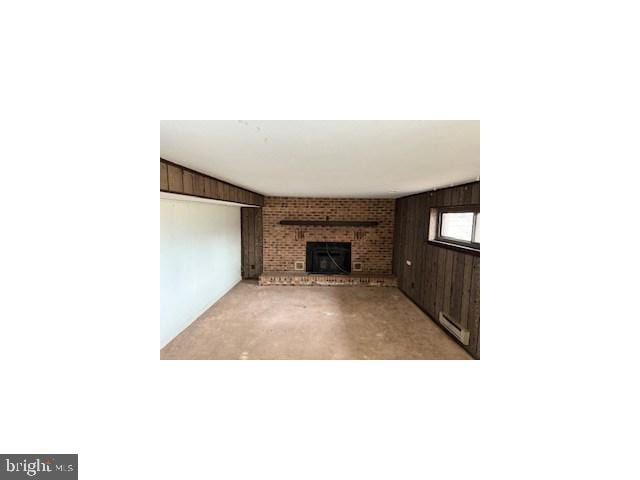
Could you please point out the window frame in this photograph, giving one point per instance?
(440, 239)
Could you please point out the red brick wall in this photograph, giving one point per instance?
(285, 244)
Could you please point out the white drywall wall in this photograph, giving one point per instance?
(199, 260)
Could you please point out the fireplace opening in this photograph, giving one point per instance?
(329, 257)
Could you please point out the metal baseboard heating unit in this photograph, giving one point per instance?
(460, 333)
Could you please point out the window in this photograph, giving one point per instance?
(459, 226)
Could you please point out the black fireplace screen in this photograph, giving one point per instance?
(328, 257)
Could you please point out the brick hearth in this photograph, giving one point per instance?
(310, 279)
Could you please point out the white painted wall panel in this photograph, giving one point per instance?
(199, 260)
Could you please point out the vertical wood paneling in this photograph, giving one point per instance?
(466, 291)
(421, 248)
(475, 193)
(187, 181)
(435, 262)
(457, 283)
(403, 237)
(427, 285)
(251, 219)
(467, 197)
(396, 237)
(474, 308)
(447, 197)
(455, 195)
(440, 285)
(245, 242)
(442, 279)
(177, 179)
(431, 271)
(164, 177)
(410, 246)
(216, 189)
(198, 185)
(258, 241)
(448, 272)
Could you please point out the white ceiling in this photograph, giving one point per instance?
(327, 158)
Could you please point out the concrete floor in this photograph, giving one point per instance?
(252, 322)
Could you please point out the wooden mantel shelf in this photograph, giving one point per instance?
(330, 223)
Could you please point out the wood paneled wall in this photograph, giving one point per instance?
(175, 178)
(251, 221)
(439, 278)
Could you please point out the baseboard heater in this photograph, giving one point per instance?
(461, 334)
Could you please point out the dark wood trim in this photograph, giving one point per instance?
(475, 208)
(453, 246)
(331, 223)
(186, 181)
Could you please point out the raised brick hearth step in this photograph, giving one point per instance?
(303, 278)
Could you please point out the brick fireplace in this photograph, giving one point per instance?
(285, 246)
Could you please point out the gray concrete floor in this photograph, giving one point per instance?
(252, 322)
